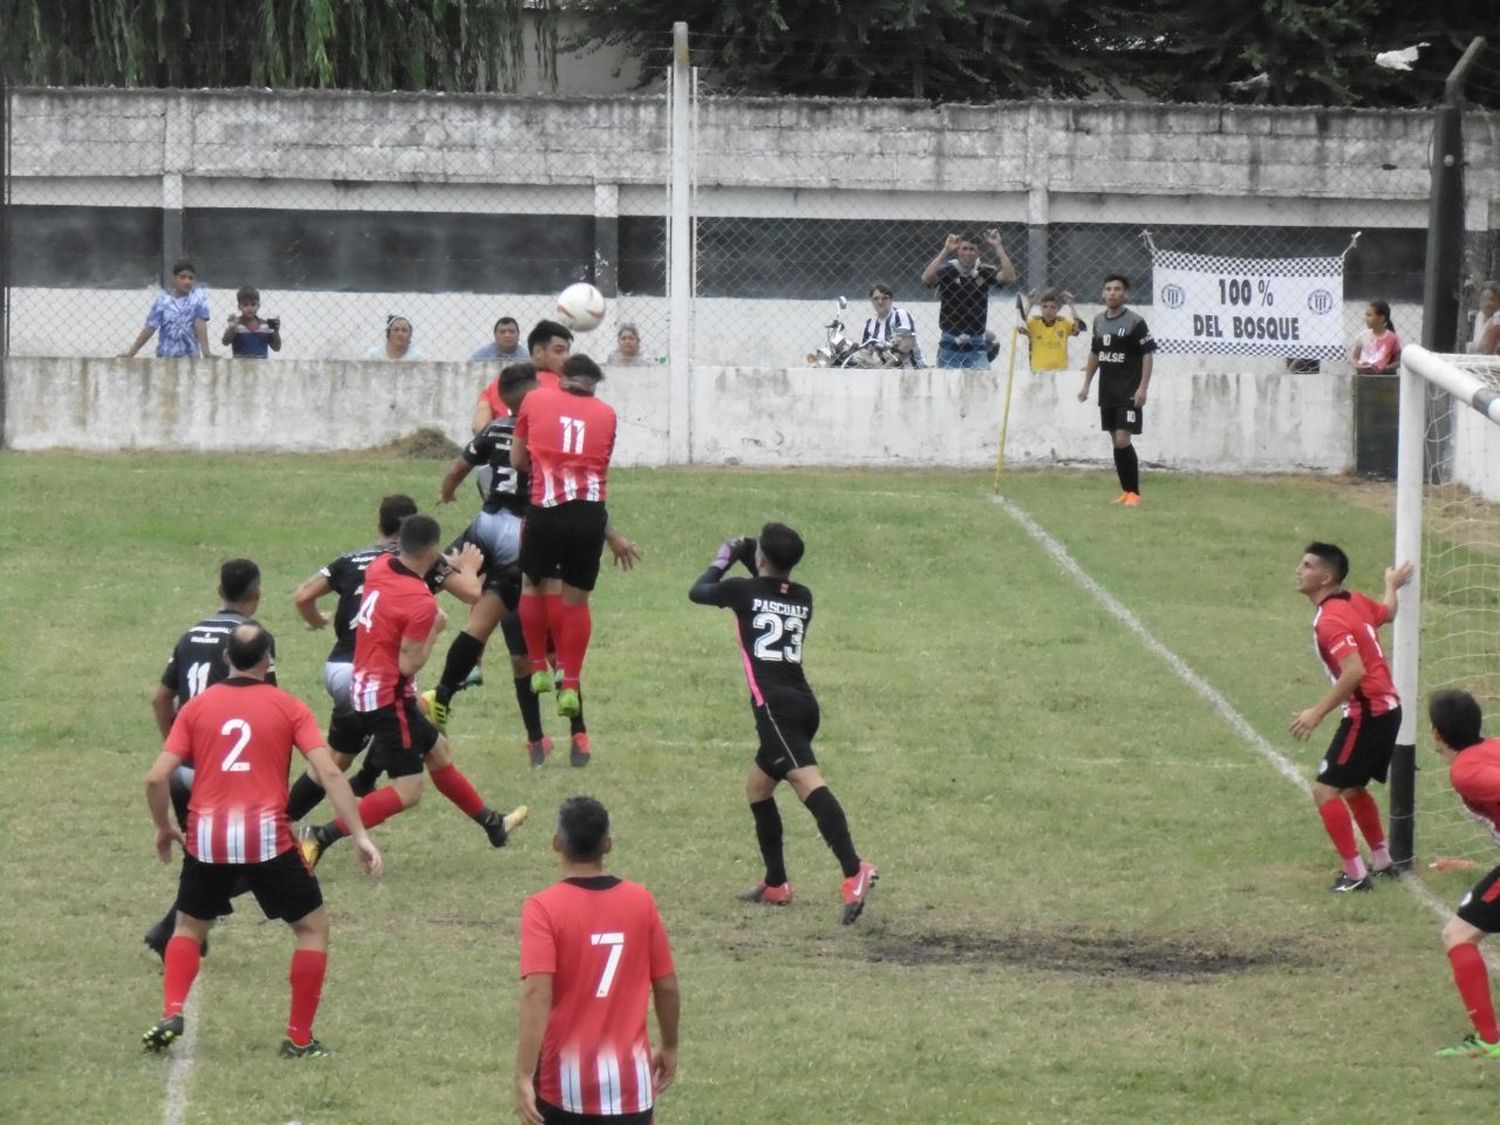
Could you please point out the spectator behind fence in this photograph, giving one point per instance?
(179, 317)
(398, 345)
(1048, 334)
(1486, 338)
(627, 351)
(1377, 350)
(506, 346)
(247, 336)
(892, 325)
(963, 286)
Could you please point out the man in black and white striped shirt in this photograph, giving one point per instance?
(892, 324)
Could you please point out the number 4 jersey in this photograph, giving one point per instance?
(772, 616)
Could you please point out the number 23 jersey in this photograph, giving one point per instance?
(772, 616)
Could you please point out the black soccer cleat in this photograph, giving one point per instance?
(1390, 871)
(158, 935)
(498, 828)
(163, 1034)
(311, 1050)
(1343, 885)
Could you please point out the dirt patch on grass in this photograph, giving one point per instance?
(1117, 955)
(426, 444)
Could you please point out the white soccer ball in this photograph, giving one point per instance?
(580, 307)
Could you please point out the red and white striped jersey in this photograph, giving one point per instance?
(603, 941)
(1475, 775)
(570, 438)
(395, 605)
(238, 737)
(1346, 623)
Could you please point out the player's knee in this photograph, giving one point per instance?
(1458, 932)
(1122, 441)
(1322, 794)
(342, 760)
(409, 789)
(312, 928)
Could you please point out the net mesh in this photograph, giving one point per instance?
(1460, 643)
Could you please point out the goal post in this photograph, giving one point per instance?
(1447, 631)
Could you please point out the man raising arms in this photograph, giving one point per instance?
(397, 624)
(593, 953)
(1474, 772)
(772, 614)
(1121, 353)
(1344, 632)
(238, 735)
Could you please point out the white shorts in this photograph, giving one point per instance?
(337, 678)
(499, 533)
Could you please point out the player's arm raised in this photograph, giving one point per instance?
(1395, 578)
(708, 589)
(159, 801)
(325, 772)
(536, 1007)
(305, 600)
(1351, 671)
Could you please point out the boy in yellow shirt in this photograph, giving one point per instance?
(1049, 333)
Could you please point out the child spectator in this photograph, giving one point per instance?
(180, 318)
(1377, 350)
(247, 335)
(1048, 334)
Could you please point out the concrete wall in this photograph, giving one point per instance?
(1476, 453)
(772, 416)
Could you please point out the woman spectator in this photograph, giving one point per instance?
(180, 316)
(398, 345)
(628, 350)
(1377, 350)
(1486, 339)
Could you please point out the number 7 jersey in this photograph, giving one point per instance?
(772, 616)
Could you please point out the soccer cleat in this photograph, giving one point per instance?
(1120, 499)
(309, 845)
(1343, 885)
(541, 682)
(498, 828)
(1132, 500)
(856, 890)
(312, 1049)
(579, 752)
(167, 1031)
(1472, 1047)
(1390, 871)
(768, 895)
(568, 703)
(437, 711)
(538, 751)
(475, 678)
(158, 935)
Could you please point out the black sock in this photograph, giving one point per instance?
(327, 834)
(768, 834)
(463, 654)
(834, 826)
(363, 783)
(576, 723)
(304, 797)
(531, 708)
(1128, 468)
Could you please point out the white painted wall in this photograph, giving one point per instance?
(1272, 422)
(1476, 452)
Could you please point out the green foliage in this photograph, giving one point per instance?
(452, 45)
(981, 50)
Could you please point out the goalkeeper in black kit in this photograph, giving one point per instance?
(772, 615)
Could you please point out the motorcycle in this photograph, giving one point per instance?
(840, 351)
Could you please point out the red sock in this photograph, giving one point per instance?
(533, 614)
(1473, 981)
(451, 783)
(554, 625)
(1340, 828)
(1367, 815)
(309, 966)
(577, 628)
(374, 808)
(178, 973)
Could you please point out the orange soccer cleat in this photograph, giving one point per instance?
(1132, 500)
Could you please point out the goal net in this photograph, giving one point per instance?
(1448, 520)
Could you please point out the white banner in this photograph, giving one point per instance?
(1291, 307)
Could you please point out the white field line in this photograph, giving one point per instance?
(180, 1064)
(1205, 690)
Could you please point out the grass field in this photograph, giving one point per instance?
(1097, 904)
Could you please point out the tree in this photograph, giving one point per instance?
(453, 45)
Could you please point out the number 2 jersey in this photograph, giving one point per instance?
(197, 661)
(508, 488)
(772, 616)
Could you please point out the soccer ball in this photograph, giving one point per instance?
(580, 307)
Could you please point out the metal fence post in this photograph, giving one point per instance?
(679, 255)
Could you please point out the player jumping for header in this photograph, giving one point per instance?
(1344, 630)
(772, 614)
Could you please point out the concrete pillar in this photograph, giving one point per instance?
(177, 144)
(607, 239)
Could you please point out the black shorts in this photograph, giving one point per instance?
(400, 737)
(1361, 750)
(515, 639)
(1481, 906)
(505, 583)
(283, 886)
(787, 722)
(553, 1115)
(1128, 417)
(566, 542)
